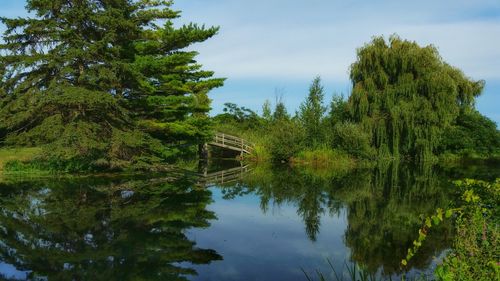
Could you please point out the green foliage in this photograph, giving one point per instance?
(474, 255)
(77, 74)
(286, 140)
(324, 158)
(477, 244)
(311, 113)
(17, 154)
(238, 116)
(406, 96)
(266, 111)
(472, 134)
(280, 113)
(338, 110)
(351, 138)
(406, 103)
(429, 222)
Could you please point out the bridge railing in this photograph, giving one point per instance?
(232, 142)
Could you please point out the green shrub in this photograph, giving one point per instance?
(475, 255)
(473, 135)
(286, 140)
(351, 138)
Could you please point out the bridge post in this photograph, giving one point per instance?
(203, 151)
(242, 148)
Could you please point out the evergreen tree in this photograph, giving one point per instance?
(338, 110)
(406, 95)
(102, 79)
(280, 113)
(311, 112)
(266, 111)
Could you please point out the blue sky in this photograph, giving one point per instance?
(268, 46)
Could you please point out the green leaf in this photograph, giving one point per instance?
(448, 213)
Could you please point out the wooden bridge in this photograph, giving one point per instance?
(232, 143)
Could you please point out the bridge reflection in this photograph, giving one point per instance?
(225, 176)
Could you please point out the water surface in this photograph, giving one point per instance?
(250, 223)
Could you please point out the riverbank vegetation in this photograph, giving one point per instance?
(17, 154)
(120, 91)
(406, 103)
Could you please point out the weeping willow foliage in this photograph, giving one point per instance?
(405, 96)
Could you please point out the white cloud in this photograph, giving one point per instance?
(300, 39)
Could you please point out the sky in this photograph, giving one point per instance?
(267, 48)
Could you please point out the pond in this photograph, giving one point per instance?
(247, 223)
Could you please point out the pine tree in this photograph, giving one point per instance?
(101, 79)
(266, 111)
(406, 95)
(172, 103)
(311, 112)
(338, 110)
(280, 113)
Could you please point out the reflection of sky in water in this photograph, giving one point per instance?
(10, 272)
(271, 246)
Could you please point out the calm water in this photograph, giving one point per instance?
(248, 224)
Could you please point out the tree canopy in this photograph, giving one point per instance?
(406, 96)
(312, 111)
(102, 79)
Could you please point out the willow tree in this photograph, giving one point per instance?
(406, 95)
(102, 79)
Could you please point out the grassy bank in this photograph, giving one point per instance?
(17, 154)
(324, 157)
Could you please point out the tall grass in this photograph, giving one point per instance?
(8, 155)
(324, 157)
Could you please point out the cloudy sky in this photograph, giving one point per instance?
(269, 46)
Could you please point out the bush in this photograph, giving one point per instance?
(477, 243)
(473, 135)
(286, 140)
(351, 138)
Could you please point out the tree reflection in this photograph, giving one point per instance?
(383, 207)
(383, 211)
(103, 230)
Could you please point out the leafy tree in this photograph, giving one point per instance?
(406, 95)
(338, 110)
(280, 112)
(81, 75)
(241, 117)
(311, 112)
(351, 138)
(286, 140)
(472, 133)
(266, 111)
(239, 114)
